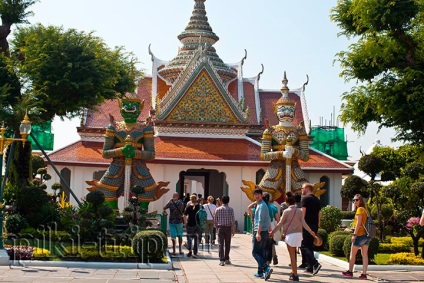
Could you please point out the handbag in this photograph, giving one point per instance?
(283, 236)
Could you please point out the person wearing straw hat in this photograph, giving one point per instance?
(292, 222)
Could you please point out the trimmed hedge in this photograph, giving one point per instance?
(98, 253)
(340, 232)
(330, 218)
(150, 245)
(373, 249)
(393, 248)
(407, 241)
(406, 259)
(336, 244)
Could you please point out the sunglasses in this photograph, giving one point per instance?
(355, 199)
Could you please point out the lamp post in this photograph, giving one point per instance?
(25, 130)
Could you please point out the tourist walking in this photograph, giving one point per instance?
(274, 216)
(292, 222)
(176, 214)
(210, 209)
(193, 230)
(261, 225)
(226, 228)
(311, 208)
(360, 240)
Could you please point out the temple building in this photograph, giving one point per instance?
(208, 123)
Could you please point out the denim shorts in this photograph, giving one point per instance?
(362, 240)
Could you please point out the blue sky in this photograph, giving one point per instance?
(293, 36)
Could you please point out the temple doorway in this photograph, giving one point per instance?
(205, 182)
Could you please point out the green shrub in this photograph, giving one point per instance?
(30, 201)
(335, 233)
(372, 249)
(94, 252)
(407, 241)
(393, 248)
(336, 244)
(150, 245)
(30, 233)
(330, 218)
(406, 259)
(15, 223)
(348, 214)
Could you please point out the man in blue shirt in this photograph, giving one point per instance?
(260, 235)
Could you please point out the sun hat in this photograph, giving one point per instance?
(317, 241)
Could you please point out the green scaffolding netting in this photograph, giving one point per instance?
(330, 140)
(43, 135)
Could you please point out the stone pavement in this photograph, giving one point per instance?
(206, 268)
(203, 269)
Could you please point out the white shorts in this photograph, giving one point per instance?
(294, 239)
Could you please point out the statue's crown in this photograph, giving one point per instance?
(129, 96)
(284, 99)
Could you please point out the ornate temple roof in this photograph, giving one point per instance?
(206, 113)
(197, 34)
(200, 151)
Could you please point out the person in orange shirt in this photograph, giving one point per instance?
(360, 240)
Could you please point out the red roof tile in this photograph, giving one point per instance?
(231, 152)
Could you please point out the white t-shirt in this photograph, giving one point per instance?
(210, 210)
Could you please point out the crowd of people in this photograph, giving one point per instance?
(200, 217)
(295, 222)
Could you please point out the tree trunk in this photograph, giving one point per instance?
(415, 240)
(4, 45)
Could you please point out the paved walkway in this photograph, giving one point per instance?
(204, 269)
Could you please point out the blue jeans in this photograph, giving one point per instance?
(259, 251)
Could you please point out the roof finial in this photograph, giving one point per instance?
(284, 88)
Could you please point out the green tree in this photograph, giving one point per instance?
(354, 185)
(51, 71)
(387, 61)
(12, 12)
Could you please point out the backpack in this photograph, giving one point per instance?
(370, 227)
(201, 217)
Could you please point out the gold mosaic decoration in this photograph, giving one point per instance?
(202, 103)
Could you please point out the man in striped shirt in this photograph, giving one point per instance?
(226, 227)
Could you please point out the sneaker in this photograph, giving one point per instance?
(221, 263)
(294, 277)
(348, 274)
(309, 270)
(363, 277)
(259, 275)
(316, 268)
(189, 254)
(227, 262)
(303, 265)
(275, 260)
(195, 256)
(267, 273)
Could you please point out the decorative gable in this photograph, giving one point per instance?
(202, 102)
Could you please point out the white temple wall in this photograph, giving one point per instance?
(171, 172)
